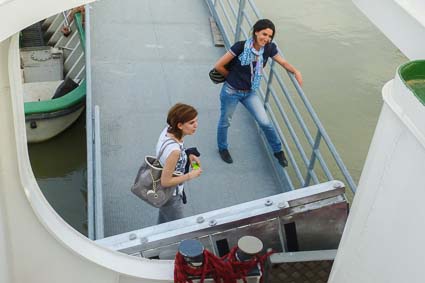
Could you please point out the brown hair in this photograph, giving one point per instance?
(179, 113)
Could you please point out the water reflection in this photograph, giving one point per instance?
(59, 166)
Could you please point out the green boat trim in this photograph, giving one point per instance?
(72, 98)
(55, 114)
(413, 76)
(81, 32)
(66, 101)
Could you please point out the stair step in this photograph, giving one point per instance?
(32, 36)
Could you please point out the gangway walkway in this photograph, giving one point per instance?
(146, 56)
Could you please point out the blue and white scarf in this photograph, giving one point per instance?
(247, 57)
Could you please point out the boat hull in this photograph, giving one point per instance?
(45, 116)
(44, 126)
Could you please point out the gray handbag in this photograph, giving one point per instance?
(147, 185)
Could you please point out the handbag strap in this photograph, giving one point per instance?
(162, 148)
(161, 151)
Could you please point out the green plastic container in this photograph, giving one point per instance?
(413, 75)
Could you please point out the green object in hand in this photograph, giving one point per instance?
(195, 165)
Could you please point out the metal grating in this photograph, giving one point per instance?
(32, 36)
(300, 272)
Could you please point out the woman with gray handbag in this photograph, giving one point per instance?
(182, 120)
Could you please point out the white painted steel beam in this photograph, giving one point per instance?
(6, 142)
(402, 21)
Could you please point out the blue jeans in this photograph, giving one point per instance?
(229, 98)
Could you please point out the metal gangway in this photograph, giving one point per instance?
(153, 65)
(298, 118)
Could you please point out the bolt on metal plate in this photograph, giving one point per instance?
(282, 204)
(338, 185)
(132, 236)
(143, 240)
(200, 219)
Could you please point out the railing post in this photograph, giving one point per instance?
(239, 20)
(312, 159)
(89, 130)
(269, 83)
(98, 195)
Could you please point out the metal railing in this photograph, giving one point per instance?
(94, 177)
(305, 149)
(65, 18)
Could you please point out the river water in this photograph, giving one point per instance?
(344, 60)
(59, 166)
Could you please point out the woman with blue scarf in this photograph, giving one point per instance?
(242, 67)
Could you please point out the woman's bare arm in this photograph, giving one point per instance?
(167, 178)
(285, 64)
(225, 59)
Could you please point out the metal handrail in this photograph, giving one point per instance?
(89, 135)
(65, 18)
(94, 157)
(242, 12)
(300, 120)
(98, 193)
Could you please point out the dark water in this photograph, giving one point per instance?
(345, 62)
(59, 166)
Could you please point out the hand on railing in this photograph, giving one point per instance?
(285, 64)
(66, 29)
(298, 77)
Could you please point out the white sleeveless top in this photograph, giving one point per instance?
(169, 146)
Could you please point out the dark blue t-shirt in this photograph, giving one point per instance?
(240, 76)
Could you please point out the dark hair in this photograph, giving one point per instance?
(263, 24)
(179, 113)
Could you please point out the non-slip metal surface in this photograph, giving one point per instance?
(146, 56)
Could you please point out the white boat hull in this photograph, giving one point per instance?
(44, 128)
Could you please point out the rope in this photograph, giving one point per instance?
(242, 268)
(226, 269)
(212, 266)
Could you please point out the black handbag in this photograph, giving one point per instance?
(147, 185)
(216, 77)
